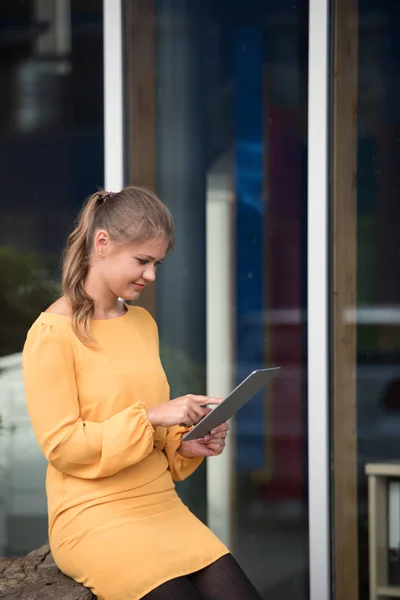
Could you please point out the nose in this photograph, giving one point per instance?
(150, 273)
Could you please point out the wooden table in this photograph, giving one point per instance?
(378, 476)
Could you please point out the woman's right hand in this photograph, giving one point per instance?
(186, 410)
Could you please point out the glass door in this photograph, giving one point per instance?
(217, 106)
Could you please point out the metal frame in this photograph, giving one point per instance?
(318, 300)
(113, 96)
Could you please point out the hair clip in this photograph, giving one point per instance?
(108, 196)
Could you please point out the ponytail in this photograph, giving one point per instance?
(75, 268)
(132, 215)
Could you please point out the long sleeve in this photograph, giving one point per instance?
(179, 466)
(74, 446)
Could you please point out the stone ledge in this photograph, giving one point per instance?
(36, 577)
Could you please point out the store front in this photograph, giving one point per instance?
(270, 130)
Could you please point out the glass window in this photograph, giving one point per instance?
(217, 111)
(51, 151)
(378, 266)
(367, 397)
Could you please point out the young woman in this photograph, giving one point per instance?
(99, 403)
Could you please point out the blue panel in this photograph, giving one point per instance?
(249, 235)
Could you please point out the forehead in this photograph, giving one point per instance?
(156, 248)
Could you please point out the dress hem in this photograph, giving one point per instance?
(184, 573)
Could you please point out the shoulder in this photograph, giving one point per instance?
(141, 314)
(51, 329)
(59, 307)
(49, 344)
(144, 319)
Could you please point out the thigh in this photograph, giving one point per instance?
(224, 580)
(180, 588)
(127, 553)
(123, 558)
(116, 560)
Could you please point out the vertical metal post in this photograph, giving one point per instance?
(220, 340)
(113, 96)
(318, 336)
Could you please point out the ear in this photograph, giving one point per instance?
(102, 243)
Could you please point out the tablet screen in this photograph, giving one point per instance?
(248, 388)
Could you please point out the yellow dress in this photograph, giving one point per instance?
(116, 523)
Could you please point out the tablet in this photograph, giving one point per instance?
(232, 403)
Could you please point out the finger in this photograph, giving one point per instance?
(198, 412)
(216, 446)
(217, 441)
(194, 448)
(193, 416)
(186, 421)
(202, 450)
(189, 421)
(224, 427)
(220, 431)
(215, 451)
(214, 438)
(205, 400)
(207, 452)
(219, 434)
(190, 416)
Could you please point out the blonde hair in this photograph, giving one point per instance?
(132, 215)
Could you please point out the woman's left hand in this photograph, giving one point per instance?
(212, 444)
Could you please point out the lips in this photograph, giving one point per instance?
(140, 286)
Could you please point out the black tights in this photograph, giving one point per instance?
(222, 580)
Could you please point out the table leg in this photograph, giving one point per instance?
(378, 534)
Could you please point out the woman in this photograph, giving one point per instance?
(99, 403)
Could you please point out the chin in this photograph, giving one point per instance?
(130, 295)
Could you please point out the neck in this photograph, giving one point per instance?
(106, 304)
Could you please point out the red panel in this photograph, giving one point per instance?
(284, 295)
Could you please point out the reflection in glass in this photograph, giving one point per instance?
(271, 192)
(51, 152)
(378, 268)
(230, 123)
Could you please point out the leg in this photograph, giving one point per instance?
(180, 588)
(224, 580)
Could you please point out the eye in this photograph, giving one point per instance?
(145, 261)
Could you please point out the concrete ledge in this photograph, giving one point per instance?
(36, 577)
